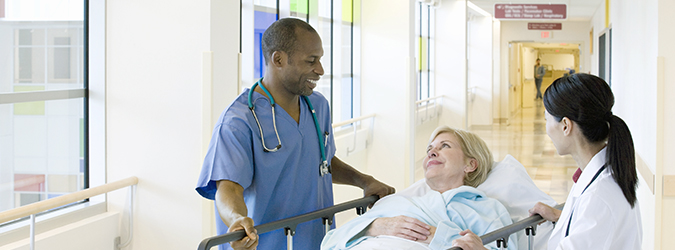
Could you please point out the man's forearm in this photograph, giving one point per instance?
(230, 202)
(343, 173)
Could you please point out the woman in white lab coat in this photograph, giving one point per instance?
(601, 211)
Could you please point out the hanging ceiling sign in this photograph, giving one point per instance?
(531, 11)
(544, 26)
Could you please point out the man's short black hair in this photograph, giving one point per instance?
(281, 36)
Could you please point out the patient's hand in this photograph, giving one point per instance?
(400, 226)
(468, 241)
(546, 211)
(432, 232)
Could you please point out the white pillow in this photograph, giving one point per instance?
(509, 183)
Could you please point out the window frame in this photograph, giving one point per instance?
(93, 82)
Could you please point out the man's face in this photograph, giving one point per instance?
(303, 70)
(537, 62)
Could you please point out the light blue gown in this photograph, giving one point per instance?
(451, 212)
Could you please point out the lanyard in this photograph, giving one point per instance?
(582, 192)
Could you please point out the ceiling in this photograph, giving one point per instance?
(577, 10)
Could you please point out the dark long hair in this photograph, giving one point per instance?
(588, 100)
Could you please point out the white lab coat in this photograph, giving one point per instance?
(602, 218)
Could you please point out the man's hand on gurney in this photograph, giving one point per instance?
(375, 187)
(401, 226)
(343, 173)
(468, 241)
(546, 212)
(251, 239)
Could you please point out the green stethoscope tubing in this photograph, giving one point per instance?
(311, 108)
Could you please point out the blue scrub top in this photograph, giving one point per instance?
(277, 185)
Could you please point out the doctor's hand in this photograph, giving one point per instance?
(468, 241)
(251, 240)
(400, 226)
(375, 187)
(546, 211)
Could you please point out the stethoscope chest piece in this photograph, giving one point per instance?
(324, 168)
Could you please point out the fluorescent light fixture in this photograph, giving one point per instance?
(478, 9)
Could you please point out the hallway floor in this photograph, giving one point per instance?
(525, 139)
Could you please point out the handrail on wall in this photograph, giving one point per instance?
(353, 121)
(37, 207)
(290, 223)
(501, 235)
(429, 99)
(426, 108)
(66, 199)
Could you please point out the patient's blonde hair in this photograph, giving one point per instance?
(474, 148)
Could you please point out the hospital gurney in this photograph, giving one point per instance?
(508, 182)
(501, 235)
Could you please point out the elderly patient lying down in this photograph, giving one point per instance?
(457, 161)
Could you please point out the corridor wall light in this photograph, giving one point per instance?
(478, 9)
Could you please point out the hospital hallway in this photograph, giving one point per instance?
(128, 99)
(525, 139)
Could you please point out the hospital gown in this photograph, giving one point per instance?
(451, 212)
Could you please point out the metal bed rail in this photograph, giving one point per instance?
(289, 224)
(502, 235)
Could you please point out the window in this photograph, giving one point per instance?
(333, 20)
(43, 126)
(424, 30)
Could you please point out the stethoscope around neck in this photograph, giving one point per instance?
(324, 168)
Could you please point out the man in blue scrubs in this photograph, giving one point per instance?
(251, 186)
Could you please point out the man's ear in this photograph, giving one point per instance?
(279, 58)
(472, 166)
(567, 126)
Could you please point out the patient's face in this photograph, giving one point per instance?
(445, 161)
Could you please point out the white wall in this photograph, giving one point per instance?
(451, 61)
(154, 110)
(50, 10)
(598, 25)
(667, 52)
(631, 66)
(529, 60)
(480, 70)
(387, 62)
(558, 61)
(71, 236)
(496, 74)
(572, 32)
(637, 42)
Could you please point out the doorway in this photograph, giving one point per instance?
(557, 58)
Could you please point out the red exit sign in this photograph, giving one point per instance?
(531, 11)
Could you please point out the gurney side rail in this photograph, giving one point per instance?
(529, 224)
(291, 223)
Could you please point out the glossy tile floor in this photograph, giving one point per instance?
(525, 138)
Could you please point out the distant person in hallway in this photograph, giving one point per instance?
(602, 211)
(539, 72)
(456, 163)
(252, 184)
